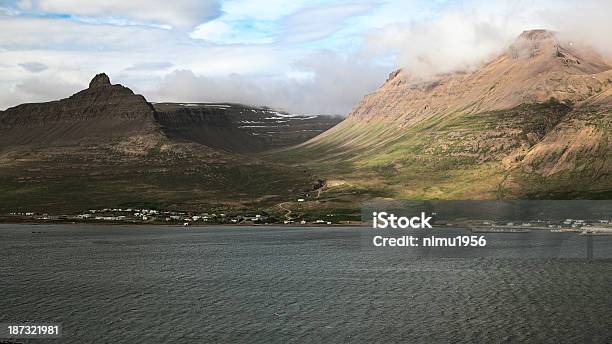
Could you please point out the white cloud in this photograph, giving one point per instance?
(149, 66)
(295, 23)
(314, 23)
(211, 31)
(584, 21)
(321, 83)
(25, 4)
(178, 13)
(34, 67)
(264, 10)
(36, 89)
(224, 31)
(266, 53)
(455, 41)
(463, 37)
(45, 89)
(18, 33)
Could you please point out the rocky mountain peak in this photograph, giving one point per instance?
(100, 80)
(539, 65)
(532, 43)
(536, 35)
(103, 111)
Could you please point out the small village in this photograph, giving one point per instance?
(186, 218)
(170, 217)
(601, 226)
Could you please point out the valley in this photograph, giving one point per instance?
(533, 123)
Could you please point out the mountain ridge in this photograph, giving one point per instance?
(106, 146)
(536, 67)
(534, 122)
(110, 112)
(238, 128)
(101, 111)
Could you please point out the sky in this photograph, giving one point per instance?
(302, 56)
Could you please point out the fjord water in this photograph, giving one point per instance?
(156, 284)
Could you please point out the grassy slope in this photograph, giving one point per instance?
(591, 174)
(455, 156)
(71, 179)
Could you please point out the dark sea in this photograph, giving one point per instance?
(160, 284)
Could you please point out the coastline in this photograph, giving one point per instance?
(472, 229)
(165, 224)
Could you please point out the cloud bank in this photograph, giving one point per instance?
(301, 56)
(320, 84)
(463, 37)
(177, 13)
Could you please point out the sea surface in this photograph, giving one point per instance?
(160, 284)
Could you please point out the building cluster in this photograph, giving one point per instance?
(154, 216)
(169, 216)
(567, 224)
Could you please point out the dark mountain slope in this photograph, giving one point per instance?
(106, 112)
(107, 147)
(238, 128)
(99, 113)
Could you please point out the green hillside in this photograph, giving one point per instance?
(465, 156)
